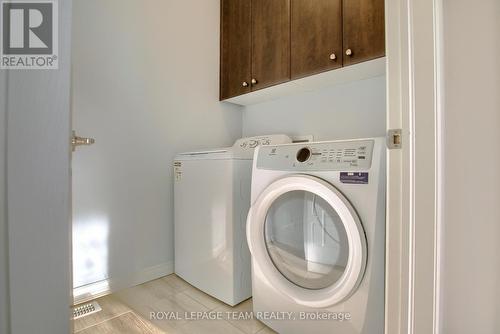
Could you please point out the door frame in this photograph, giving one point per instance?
(414, 104)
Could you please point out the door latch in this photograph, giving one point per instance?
(80, 141)
(394, 139)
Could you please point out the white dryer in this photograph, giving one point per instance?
(316, 232)
(212, 198)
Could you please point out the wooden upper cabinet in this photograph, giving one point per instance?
(364, 30)
(316, 36)
(235, 63)
(270, 42)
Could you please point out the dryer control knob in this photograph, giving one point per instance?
(303, 154)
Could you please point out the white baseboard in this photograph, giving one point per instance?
(98, 289)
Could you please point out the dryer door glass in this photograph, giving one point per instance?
(306, 240)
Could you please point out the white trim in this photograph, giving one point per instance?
(439, 35)
(398, 168)
(356, 263)
(108, 286)
(414, 103)
(424, 156)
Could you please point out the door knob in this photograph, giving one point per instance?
(80, 141)
(244, 84)
(333, 56)
(254, 81)
(348, 52)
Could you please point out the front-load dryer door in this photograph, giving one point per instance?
(307, 240)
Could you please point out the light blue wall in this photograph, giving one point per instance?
(148, 93)
(345, 111)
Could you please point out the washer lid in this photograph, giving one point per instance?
(243, 149)
(216, 154)
(307, 240)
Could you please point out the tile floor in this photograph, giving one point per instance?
(128, 311)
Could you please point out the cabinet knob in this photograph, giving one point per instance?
(333, 56)
(348, 52)
(254, 81)
(244, 84)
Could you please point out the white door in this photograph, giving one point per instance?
(308, 240)
(39, 193)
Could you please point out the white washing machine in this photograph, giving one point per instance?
(212, 198)
(316, 232)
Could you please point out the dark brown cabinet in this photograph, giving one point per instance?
(236, 48)
(255, 45)
(268, 42)
(364, 30)
(316, 33)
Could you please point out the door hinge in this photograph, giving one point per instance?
(394, 139)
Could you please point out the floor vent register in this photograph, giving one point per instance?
(86, 309)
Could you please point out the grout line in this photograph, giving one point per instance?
(147, 324)
(199, 301)
(223, 321)
(103, 321)
(196, 301)
(172, 285)
(269, 329)
(239, 329)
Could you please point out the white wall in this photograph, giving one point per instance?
(4, 305)
(351, 110)
(145, 86)
(471, 250)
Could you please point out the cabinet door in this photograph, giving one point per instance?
(316, 36)
(270, 42)
(364, 30)
(235, 63)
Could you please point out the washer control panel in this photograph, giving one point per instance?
(331, 156)
(251, 143)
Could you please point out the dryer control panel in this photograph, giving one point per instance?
(327, 156)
